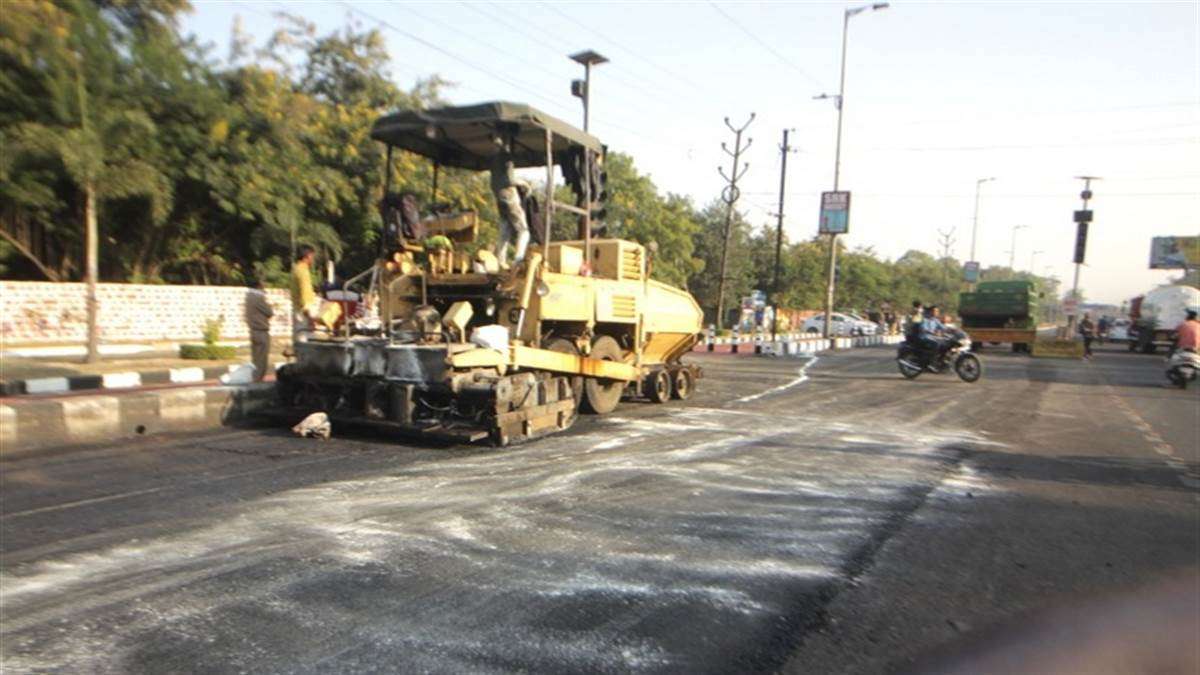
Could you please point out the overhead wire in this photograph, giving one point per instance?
(658, 140)
(452, 55)
(675, 77)
(540, 41)
(762, 43)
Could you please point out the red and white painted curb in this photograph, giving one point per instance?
(793, 345)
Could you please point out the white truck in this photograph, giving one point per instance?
(1156, 315)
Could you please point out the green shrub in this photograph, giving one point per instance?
(212, 330)
(207, 352)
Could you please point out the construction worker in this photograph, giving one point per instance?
(305, 304)
(258, 319)
(514, 227)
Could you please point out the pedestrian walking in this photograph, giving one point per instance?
(1087, 330)
(258, 312)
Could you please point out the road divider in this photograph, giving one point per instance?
(119, 380)
(800, 344)
(1058, 349)
(31, 424)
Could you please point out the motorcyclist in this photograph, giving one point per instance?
(932, 334)
(912, 324)
(1187, 334)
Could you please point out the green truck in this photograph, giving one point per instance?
(1001, 312)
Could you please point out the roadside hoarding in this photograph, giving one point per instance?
(971, 271)
(835, 213)
(1167, 253)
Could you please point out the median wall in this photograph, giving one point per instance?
(48, 313)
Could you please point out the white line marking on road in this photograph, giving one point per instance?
(802, 377)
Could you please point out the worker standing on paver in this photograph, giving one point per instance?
(258, 319)
(305, 304)
(513, 226)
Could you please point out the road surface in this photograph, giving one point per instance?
(797, 515)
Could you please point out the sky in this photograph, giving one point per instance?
(938, 95)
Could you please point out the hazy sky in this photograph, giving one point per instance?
(938, 94)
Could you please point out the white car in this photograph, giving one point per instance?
(840, 325)
(1119, 331)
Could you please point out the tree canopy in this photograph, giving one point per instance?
(211, 172)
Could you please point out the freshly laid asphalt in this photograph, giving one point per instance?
(795, 515)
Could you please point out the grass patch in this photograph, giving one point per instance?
(207, 352)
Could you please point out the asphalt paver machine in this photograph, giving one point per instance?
(445, 343)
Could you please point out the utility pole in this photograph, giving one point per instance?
(730, 195)
(1032, 262)
(840, 100)
(783, 150)
(975, 221)
(1083, 218)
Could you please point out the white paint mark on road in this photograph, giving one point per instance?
(801, 378)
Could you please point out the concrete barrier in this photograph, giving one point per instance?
(35, 424)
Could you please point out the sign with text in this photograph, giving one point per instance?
(1172, 253)
(835, 213)
(971, 271)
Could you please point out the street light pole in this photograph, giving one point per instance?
(583, 88)
(840, 100)
(975, 221)
(1012, 254)
(1082, 224)
(1032, 262)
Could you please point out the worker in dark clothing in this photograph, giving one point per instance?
(1087, 330)
(258, 319)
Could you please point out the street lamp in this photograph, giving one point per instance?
(583, 88)
(839, 101)
(1012, 254)
(975, 222)
(1032, 261)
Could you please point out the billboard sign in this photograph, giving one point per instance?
(1169, 253)
(835, 213)
(971, 271)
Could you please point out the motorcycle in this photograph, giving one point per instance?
(1182, 367)
(913, 360)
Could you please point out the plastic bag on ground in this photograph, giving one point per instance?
(316, 425)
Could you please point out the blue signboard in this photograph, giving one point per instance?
(835, 213)
(971, 272)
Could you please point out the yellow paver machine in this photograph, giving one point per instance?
(447, 343)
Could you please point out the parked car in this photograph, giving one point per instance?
(1119, 330)
(841, 325)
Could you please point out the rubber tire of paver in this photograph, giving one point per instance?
(682, 384)
(601, 396)
(658, 386)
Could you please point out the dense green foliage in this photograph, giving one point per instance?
(212, 173)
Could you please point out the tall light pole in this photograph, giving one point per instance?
(1012, 254)
(1083, 219)
(975, 221)
(840, 101)
(583, 88)
(1033, 261)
